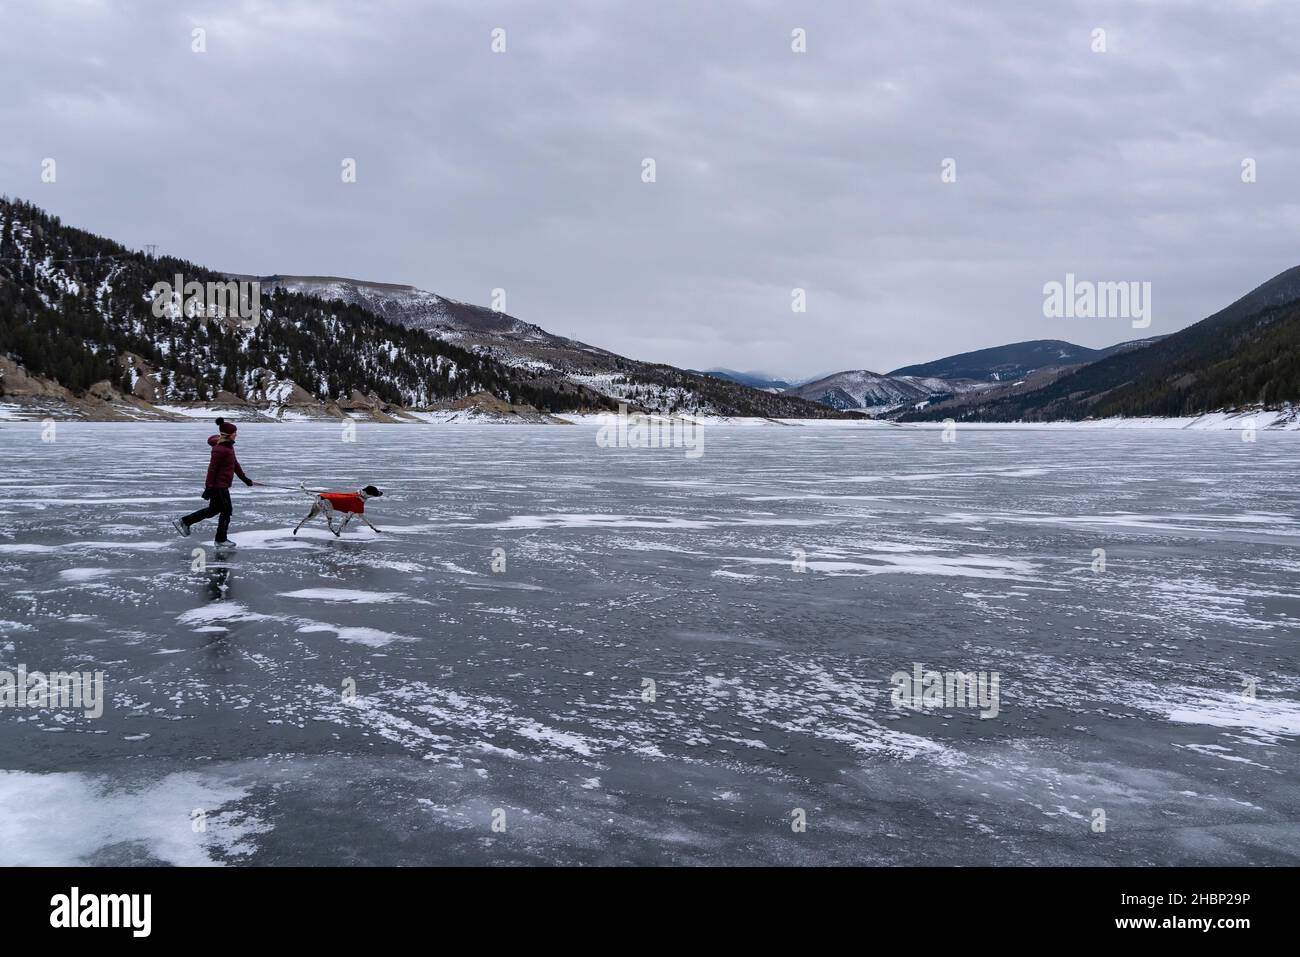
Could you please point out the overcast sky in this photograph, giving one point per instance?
(774, 169)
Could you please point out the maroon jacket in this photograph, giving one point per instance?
(223, 466)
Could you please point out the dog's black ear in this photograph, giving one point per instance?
(372, 491)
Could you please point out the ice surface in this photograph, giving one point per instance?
(375, 698)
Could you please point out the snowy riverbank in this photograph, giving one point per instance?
(1272, 420)
(1287, 419)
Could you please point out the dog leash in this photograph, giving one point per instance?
(300, 487)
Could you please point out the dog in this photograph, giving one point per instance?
(349, 503)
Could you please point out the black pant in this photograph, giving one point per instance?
(218, 504)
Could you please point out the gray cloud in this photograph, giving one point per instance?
(775, 170)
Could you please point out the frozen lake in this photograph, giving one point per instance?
(524, 694)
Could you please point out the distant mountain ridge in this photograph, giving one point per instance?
(1246, 354)
(1009, 362)
(755, 380)
(961, 377)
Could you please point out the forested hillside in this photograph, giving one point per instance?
(73, 304)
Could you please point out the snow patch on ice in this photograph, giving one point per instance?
(62, 819)
(220, 611)
(354, 596)
(84, 574)
(370, 637)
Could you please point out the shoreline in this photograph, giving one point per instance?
(1271, 420)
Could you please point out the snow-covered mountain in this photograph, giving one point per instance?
(861, 390)
(531, 349)
(507, 339)
(993, 370)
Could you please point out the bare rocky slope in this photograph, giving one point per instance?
(520, 345)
